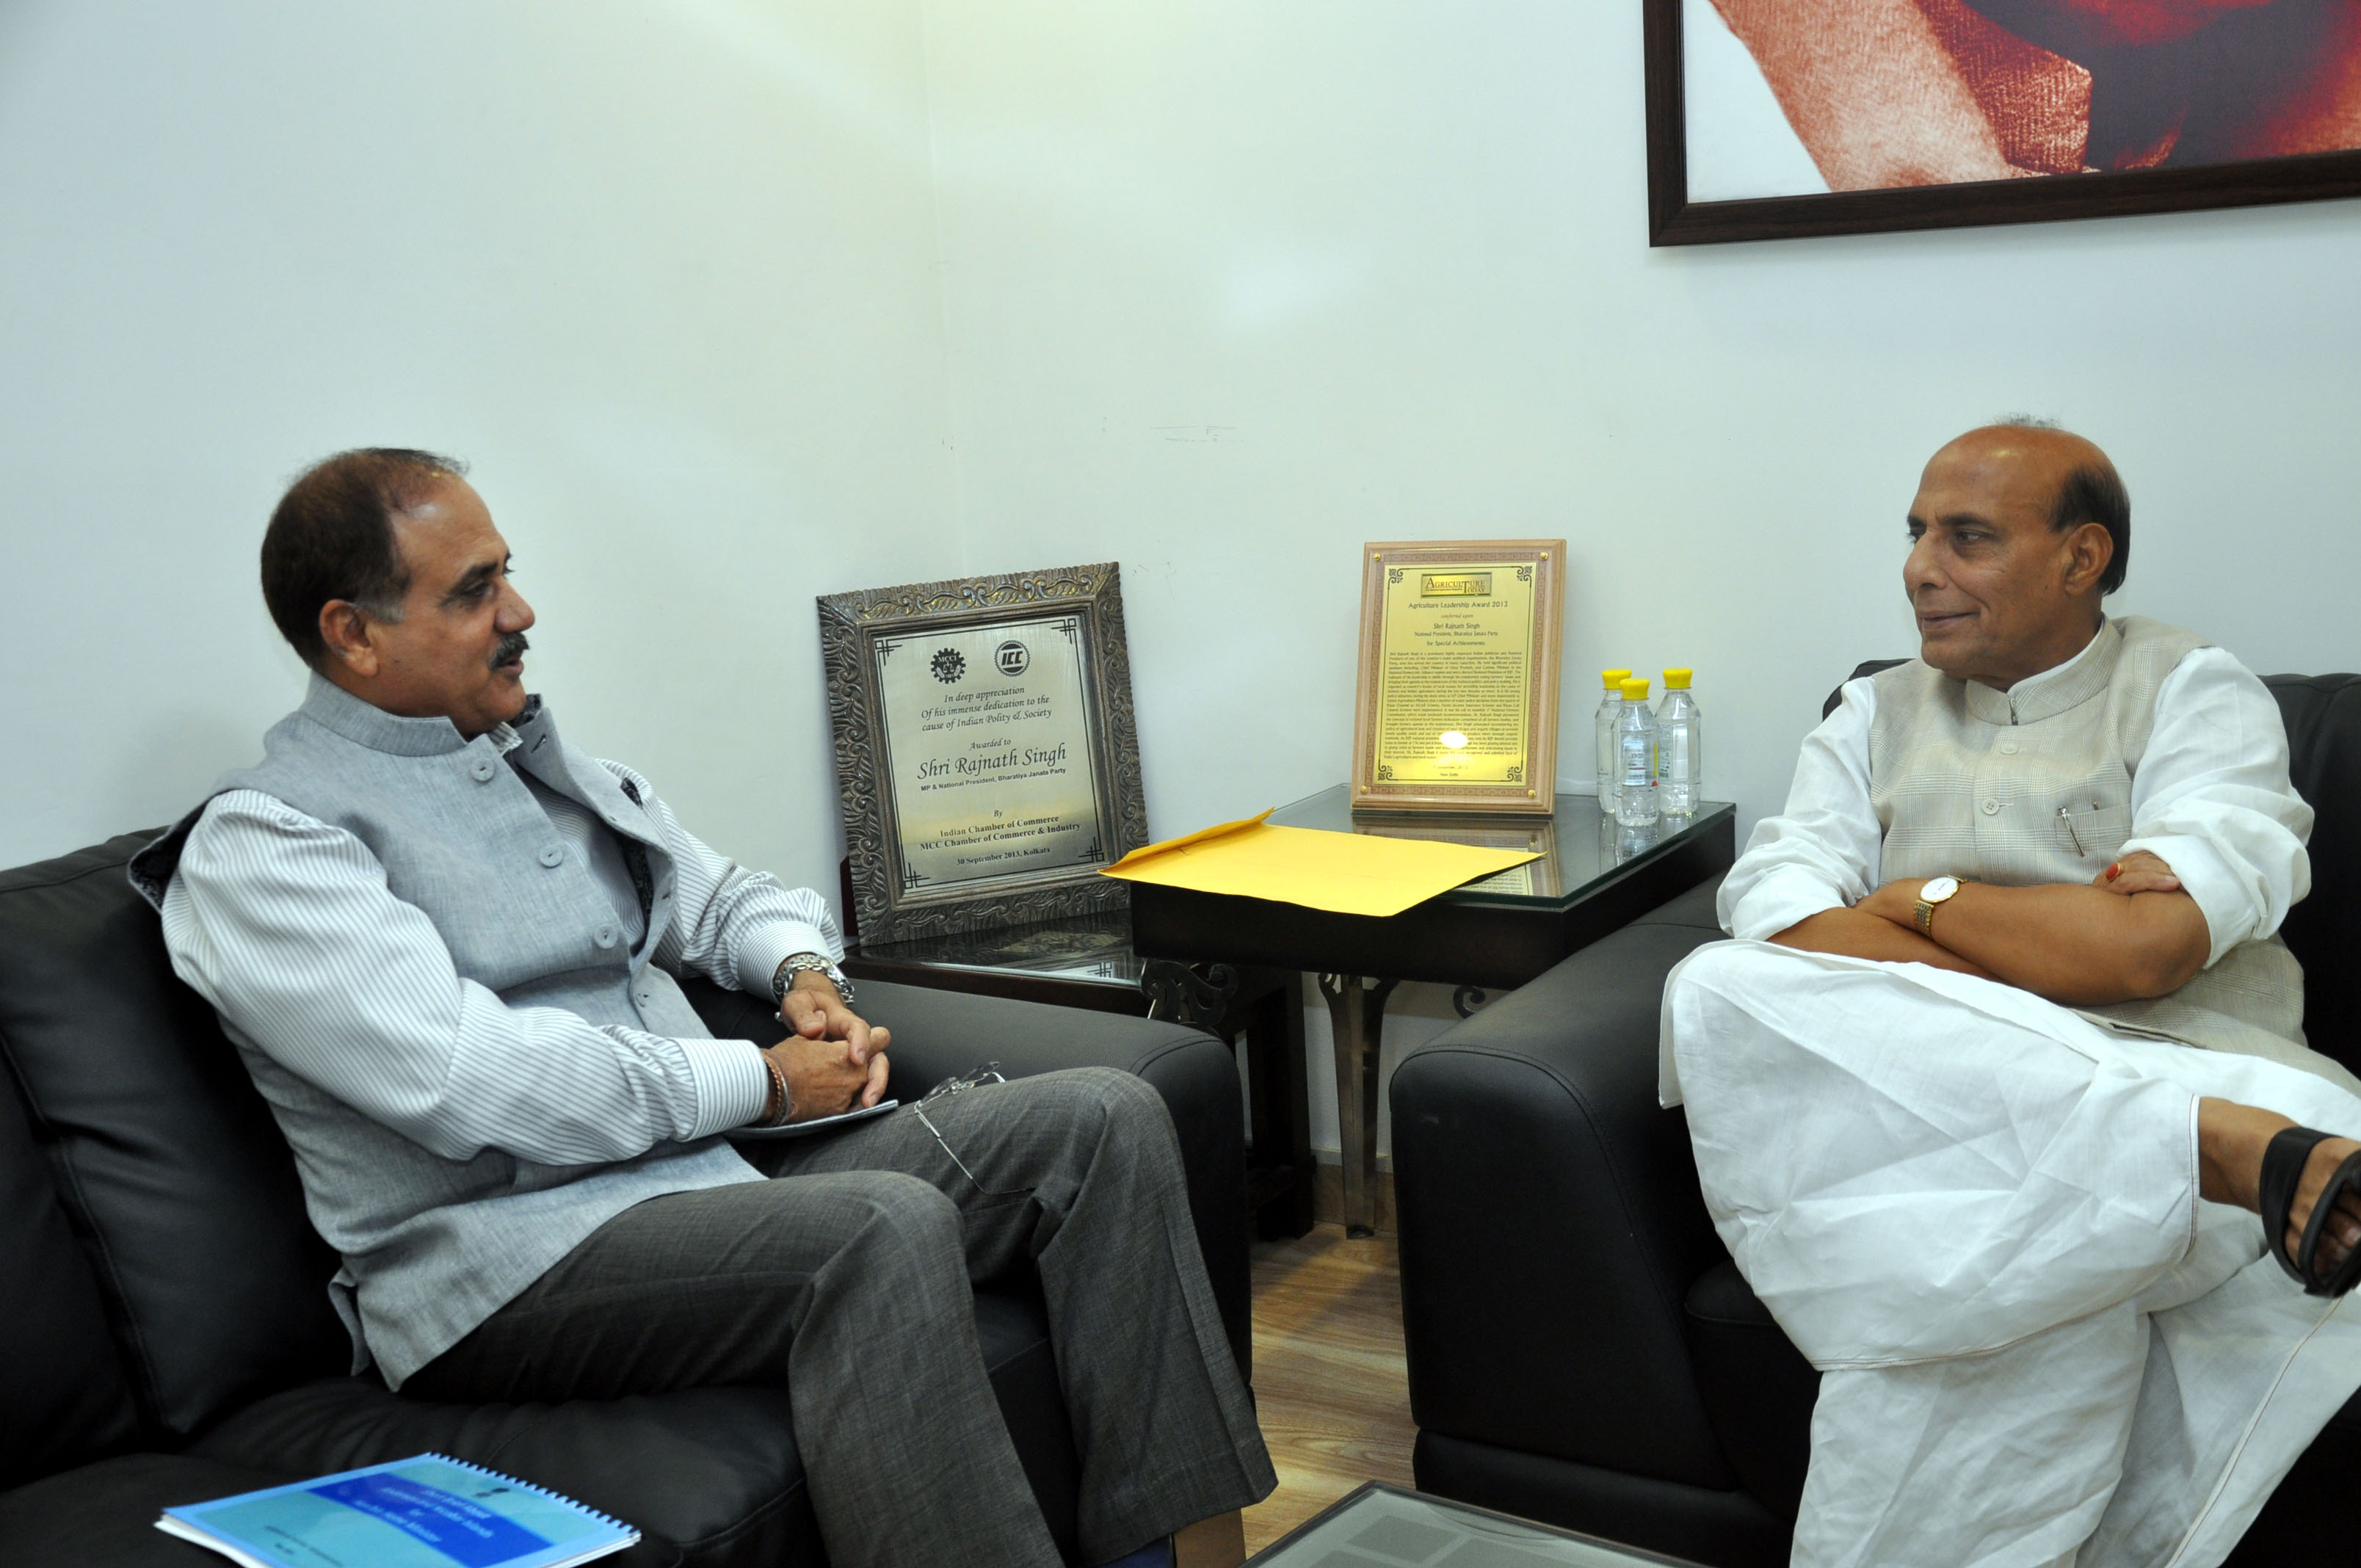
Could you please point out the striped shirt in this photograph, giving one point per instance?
(286, 925)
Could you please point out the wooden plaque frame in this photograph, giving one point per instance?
(1535, 794)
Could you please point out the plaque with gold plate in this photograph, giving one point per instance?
(1457, 707)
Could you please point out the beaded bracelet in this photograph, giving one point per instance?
(777, 1109)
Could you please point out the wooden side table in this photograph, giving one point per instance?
(1592, 878)
(1088, 962)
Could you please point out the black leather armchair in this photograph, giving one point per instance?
(165, 1329)
(1581, 1348)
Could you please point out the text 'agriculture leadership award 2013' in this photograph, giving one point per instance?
(1452, 691)
(988, 745)
(1457, 707)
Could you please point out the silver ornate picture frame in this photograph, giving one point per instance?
(986, 753)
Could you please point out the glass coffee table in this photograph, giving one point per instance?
(1384, 1526)
(1593, 877)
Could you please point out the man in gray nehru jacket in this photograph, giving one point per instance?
(446, 943)
(2008, 1056)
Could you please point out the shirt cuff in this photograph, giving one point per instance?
(760, 956)
(732, 1084)
(2205, 875)
(1785, 896)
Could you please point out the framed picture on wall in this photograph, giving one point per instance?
(986, 756)
(1774, 119)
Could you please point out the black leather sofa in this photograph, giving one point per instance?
(165, 1329)
(1581, 1348)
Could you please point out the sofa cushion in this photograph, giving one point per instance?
(104, 1515)
(1758, 1388)
(61, 1383)
(174, 1174)
(709, 1475)
(2323, 714)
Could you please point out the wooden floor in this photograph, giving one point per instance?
(1330, 1385)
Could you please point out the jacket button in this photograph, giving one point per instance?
(554, 855)
(2008, 748)
(1992, 807)
(604, 936)
(481, 770)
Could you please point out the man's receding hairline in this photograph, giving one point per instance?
(2080, 452)
(2056, 434)
(2088, 490)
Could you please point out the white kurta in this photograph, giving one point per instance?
(1978, 1213)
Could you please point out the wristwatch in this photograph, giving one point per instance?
(796, 963)
(1933, 894)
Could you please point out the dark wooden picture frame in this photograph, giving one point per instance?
(1673, 219)
(886, 908)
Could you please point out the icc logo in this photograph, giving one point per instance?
(1012, 658)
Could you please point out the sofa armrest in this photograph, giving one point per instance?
(939, 1033)
(1550, 1217)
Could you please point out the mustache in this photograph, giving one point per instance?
(511, 650)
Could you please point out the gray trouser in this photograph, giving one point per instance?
(849, 1276)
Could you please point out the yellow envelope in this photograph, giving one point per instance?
(1348, 873)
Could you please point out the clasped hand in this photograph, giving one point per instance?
(834, 1060)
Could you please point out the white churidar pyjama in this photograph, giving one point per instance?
(1977, 1213)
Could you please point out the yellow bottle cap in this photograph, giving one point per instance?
(1614, 678)
(1635, 688)
(1678, 680)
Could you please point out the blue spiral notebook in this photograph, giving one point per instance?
(427, 1511)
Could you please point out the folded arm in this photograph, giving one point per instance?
(1857, 932)
(2115, 940)
(2216, 858)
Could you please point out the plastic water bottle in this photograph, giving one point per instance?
(1680, 762)
(1635, 746)
(1610, 766)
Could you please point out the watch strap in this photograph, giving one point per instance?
(1924, 911)
(794, 964)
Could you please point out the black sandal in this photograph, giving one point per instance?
(2283, 1162)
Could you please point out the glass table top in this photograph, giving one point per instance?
(1578, 846)
(1091, 948)
(1384, 1527)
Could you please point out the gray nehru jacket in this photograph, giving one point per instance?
(435, 984)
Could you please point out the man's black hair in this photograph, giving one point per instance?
(2094, 492)
(331, 537)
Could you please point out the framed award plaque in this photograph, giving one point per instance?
(985, 749)
(1457, 707)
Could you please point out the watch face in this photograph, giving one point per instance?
(1941, 888)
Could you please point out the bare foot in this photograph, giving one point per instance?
(2230, 1138)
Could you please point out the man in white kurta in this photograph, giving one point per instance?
(1990, 1152)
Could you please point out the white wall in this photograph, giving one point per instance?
(1235, 286)
(665, 272)
(735, 302)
